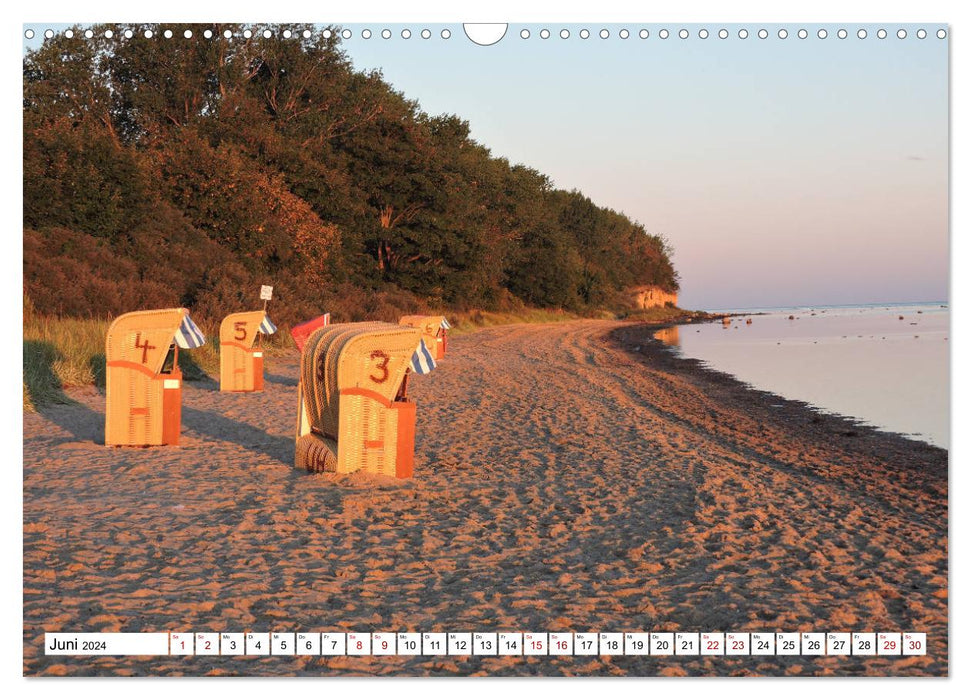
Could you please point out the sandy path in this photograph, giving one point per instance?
(561, 483)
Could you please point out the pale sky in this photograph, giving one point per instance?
(782, 171)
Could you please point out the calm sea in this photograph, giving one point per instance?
(865, 362)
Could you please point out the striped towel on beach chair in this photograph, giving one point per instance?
(189, 336)
(422, 361)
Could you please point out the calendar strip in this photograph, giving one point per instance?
(521, 644)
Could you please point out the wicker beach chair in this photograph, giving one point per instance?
(143, 382)
(240, 359)
(434, 331)
(353, 412)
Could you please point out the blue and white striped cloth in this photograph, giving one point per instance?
(267, 327)
(189, 336)
(445, 324)
(422, 361)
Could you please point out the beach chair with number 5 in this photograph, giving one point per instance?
(240, 358)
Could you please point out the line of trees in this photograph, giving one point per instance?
(189, 171)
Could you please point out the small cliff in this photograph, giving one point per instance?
(650, 296)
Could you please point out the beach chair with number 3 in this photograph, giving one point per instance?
(354, 411)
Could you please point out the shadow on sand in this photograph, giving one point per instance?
(44, 390)
(80, 421)
(247, 436)
(280, 379)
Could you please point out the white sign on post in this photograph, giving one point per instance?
(266, 293)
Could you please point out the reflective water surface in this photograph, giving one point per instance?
(885, 365)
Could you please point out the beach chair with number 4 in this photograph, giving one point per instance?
(143, 382)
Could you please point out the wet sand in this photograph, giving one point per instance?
(568, 477)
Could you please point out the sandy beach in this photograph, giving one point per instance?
(568, 477)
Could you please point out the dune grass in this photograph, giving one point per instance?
(64, 352)
(468, 321)
(69, 352)
(59, 353)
